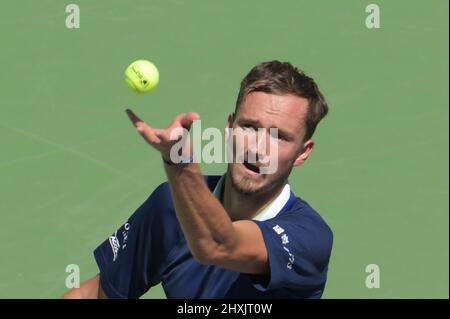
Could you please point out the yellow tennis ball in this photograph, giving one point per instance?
(142, 76)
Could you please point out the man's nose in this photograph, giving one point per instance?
(256, 146)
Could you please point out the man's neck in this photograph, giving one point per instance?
(240, 206)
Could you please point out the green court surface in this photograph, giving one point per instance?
(72, 169)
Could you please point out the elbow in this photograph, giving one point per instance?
(211, 254)
(203, 256)
(203, 259)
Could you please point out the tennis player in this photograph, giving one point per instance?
(241, 235)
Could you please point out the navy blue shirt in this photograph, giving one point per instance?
(150, 248)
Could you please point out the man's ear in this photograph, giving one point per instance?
(304, 152)
(230, 120)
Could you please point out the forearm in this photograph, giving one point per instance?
(211, 235)
(90, 289)
(206, 225)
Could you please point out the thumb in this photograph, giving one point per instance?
(187, 120)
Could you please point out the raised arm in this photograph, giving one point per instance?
(211, 235)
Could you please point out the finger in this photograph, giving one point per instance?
(133, 117)
(171, 135)
(184, 120)
(163, 135)
(189, 118)
(176, 121)
(147, 132)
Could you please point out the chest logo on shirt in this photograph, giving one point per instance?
(115, 245)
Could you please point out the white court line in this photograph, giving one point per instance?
(372, 155)
(49, 153)
(30, 211)
(76, 153)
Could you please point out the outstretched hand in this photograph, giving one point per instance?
(163, 139)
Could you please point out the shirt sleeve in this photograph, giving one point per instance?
(299, 248)
(131, 259)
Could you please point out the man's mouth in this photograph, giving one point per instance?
(251, 167)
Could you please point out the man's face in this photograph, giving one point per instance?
(262, 110)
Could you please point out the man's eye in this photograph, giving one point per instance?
(278, 136)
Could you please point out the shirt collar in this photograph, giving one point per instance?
(271, 210)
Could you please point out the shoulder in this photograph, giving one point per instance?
(313, 228)
(306, 230)
(304, 215)
(298, 242)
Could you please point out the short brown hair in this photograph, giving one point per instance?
(282, 78)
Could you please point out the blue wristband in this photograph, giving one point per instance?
(180, 164)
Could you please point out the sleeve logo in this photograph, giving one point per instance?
(284, 241)
(278, 229)
(115, 245)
